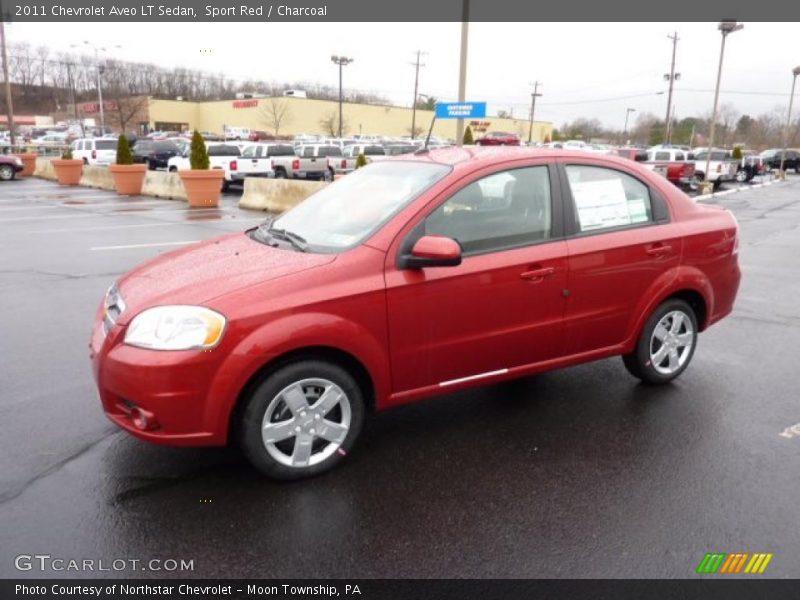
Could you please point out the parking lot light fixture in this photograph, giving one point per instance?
(725, 28)
(795, 73)
(342, 61)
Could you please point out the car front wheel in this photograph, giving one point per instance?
(302, 420)
(7, 172)
(666, 344)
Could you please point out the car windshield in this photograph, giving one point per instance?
(344, 214)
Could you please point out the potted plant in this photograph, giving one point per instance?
(128, 177)
(203, 185)
(68, 169)
(28, 162)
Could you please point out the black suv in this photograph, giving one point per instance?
(772, 158)
(155, 154)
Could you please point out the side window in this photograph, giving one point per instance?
(502, 210)
(679, 156)
(662, 156)
(249, 152)
(308, 152)
(605, 198)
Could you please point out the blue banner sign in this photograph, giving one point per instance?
(460, 110)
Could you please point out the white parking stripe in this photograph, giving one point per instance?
(130, 246)
(89, 215)
(138, 225)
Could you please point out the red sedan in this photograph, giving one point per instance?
(411, 277)
(498, 138)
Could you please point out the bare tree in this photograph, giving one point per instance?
(275, 113)
(330, 123)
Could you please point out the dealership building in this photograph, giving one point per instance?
(294, 115)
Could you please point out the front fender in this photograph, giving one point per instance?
(286, 334)
(680, 278)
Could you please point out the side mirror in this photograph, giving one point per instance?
(432, 251)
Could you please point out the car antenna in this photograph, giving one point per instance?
(424, 149)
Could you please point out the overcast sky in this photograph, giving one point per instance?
(587, 69)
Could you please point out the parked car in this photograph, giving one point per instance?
(156, 153)
(9, 167)
(237, 133)
(347, 162)
(772, 158)
(750, 166)
(257, 160)
(498, 138)
(674, 164)
(632, 153)
(411, 277)
(95, 151)
(220, 155)
(722, 167)
(313, 161)
(256, 135)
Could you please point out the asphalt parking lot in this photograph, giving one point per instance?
(581, 472)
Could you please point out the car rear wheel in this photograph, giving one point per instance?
(302, 420)
(7, 172)
(741, 176)
(666, 344)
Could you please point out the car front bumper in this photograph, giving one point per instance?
(158, 396)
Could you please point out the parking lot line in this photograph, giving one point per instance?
(131, 246)
(89, 214)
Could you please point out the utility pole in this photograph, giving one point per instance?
(672, 76)
(462, 71)
(341, 61)
(533, 108)
(416, 92)
(9, 102)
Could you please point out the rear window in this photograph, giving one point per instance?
(223, 150)
(143, 145)
(280, 151)
(330, 151)
(165, 147)
(105, 144)
(662, 156)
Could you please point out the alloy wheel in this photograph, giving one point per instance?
(671, 343)
(306, 422)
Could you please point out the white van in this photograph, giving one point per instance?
(95, 151)
(237, 133)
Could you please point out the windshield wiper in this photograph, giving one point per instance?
(267, 231)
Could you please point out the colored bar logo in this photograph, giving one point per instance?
(737, 562)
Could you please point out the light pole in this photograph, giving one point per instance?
(628, 112)
(416, 94)
(342, 61)
(725, 27)
(795, 73)
(462, 68)
(533, 108)
(99, 72)
(9, 101)
(672, 77)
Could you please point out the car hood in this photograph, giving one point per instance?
(202, 272)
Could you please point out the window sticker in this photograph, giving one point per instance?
(602, 204)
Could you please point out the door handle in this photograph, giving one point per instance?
(537, 274)
(659, 250)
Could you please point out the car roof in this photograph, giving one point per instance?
(475, 157)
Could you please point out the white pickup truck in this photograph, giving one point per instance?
(257, 159)
(311, 162)
(347, 163)
(721, 168)
(220, 156)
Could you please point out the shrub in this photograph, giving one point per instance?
(737, 153)
(198, 155)
(66, 154)
(361, 161)
(468, 139)
(124, 154)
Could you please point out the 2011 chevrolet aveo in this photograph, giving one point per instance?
(410, 277)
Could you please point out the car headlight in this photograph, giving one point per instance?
(176, 328)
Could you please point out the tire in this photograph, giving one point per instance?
(7, 173)
(276, 403)
(280, 174)
(173, 169)
(328, 175)
(226, 185)
(85, 161)
(741, 176)
(150, 165)
(717, 185)
(652, 359)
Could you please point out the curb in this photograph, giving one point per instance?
(706, 197)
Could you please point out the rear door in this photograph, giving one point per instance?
(620, 245)
(502, 307)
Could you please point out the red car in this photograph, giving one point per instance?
(257, 135)
(498, 138)
(411, 277)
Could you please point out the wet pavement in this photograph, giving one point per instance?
(581, 472)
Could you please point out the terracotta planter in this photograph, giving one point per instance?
(203, 188)
(28, 162)
(128, 179)
(68, 172)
